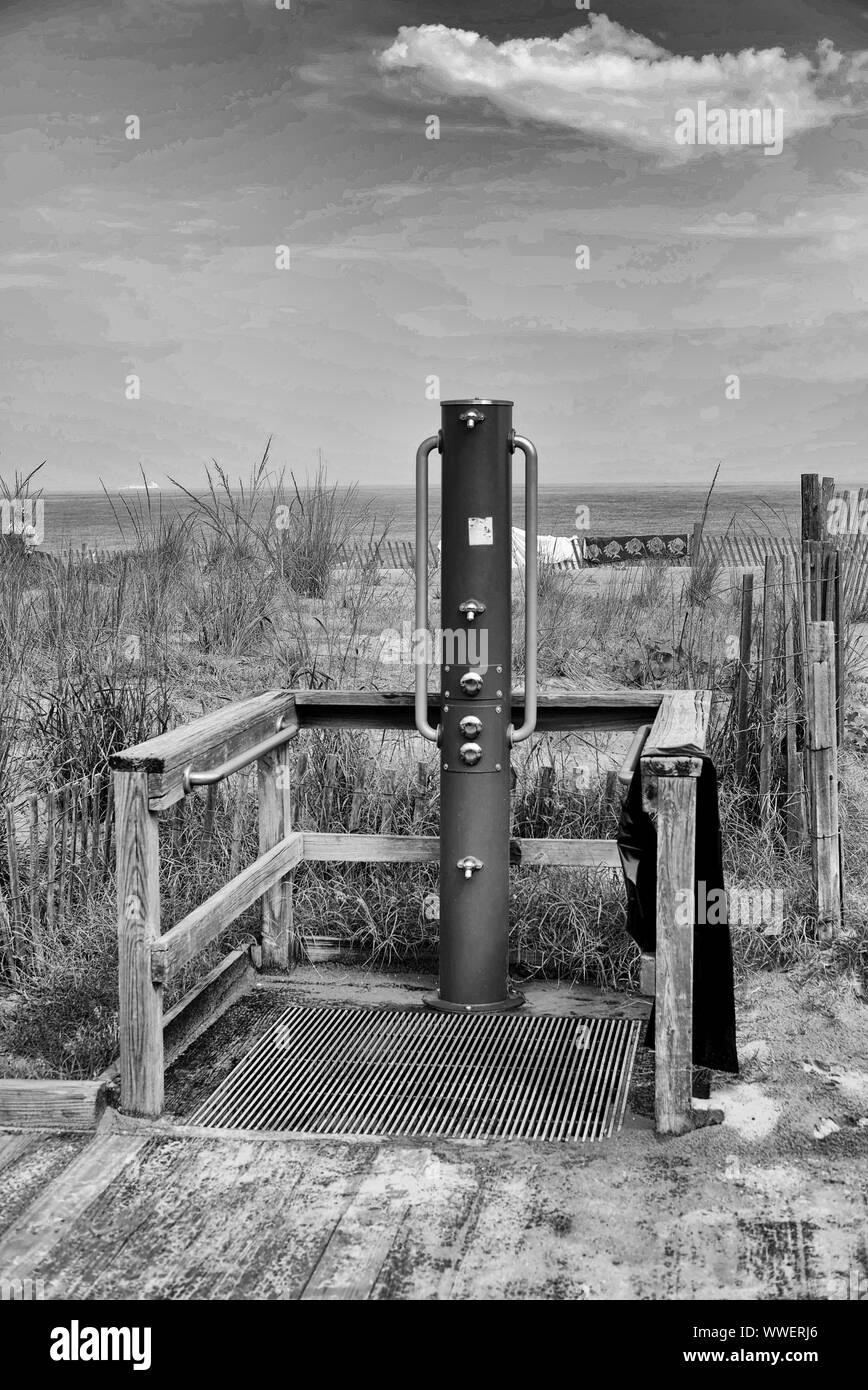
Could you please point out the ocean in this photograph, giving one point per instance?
(73, 519)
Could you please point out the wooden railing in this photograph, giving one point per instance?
(151, 776)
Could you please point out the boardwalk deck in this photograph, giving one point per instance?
(181, 1216)
(159, 1210)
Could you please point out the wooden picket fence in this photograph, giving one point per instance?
(394, 555)
(56, 848)
(752, 551)
(788, 708)
(57, 852)
(743, 549)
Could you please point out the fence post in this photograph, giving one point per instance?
(358, 801)
(387, 803)
(238, 801)
(14, 882)
(823, 764)
(207, 834)
(37, 953)
(744, 646)
(811, 520)
(832, 612)
(275, 823)
(137, 842)
(420, 791)
(766, 682)
(673, 1020)
(6, 942)
(794, 781)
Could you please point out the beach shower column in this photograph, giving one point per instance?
(475, 735)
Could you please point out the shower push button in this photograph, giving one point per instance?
(471, 683)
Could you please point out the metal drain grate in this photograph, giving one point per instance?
(364, 1072)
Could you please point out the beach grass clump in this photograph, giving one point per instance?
(318, 521)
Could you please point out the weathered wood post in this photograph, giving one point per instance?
(815, 499)
(823, 765)
(387, 802)
(669, 790)
(811, 508)
(141, 1000)
(744, 646)
(766, 685)
(673, 1030)
(14, 882)
(832, 612)
(6, 942)
(273, 773)
(824, 565)
(794, 818)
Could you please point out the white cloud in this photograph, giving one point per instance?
(608, 82)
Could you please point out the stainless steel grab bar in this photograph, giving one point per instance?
(420, 637)
(531, 566)
(211, 775)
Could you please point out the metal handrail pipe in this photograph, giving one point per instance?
(208, 776)
(420, 642)
(531, 567)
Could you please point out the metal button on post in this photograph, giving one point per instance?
(471, 683)
(470, 753)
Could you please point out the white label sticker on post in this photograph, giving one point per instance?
(480, 530)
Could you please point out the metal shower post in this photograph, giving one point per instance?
(476, 734)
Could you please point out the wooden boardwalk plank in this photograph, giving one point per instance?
(210, 1218)
(30, 1239)
(184, 1217)
(28, 1163)
(360, 1242)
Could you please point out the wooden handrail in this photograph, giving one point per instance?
(682, 721)
(214, 737)
(233, 732)
(208, 777)
(607, 711)
(151, 776)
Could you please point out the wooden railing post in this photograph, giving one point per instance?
(275, 823)
(670, 775)
(673, 1028)
(141, 1000)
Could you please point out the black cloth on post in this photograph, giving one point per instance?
(713, 985)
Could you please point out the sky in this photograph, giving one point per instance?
(719, 313)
